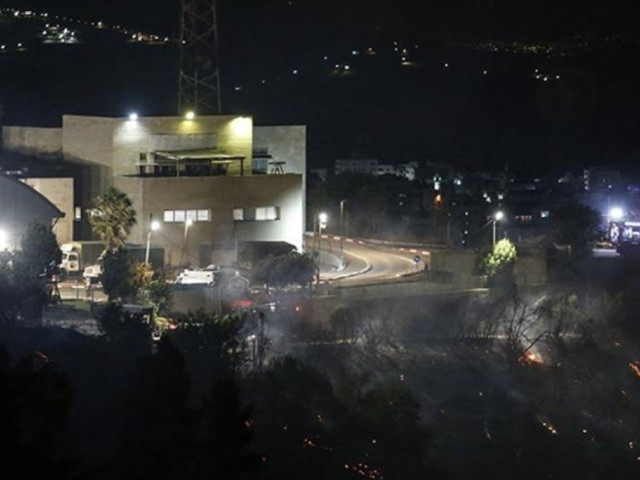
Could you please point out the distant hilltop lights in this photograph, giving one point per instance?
(353, 61)
(64, 30)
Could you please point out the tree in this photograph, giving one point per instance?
(159, 423)
(35, 405)
(22, 272)
(501, 257)
(212, 346)
(128, 331)
(225, 430)
(576, 225)
(40, 253)
(282, 270)
(113, 218)
(118, 280)
(498, 264)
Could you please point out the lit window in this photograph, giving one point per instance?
(179, 216)
(77, 213)
(267, 213)
(191, 215)
(257, 214)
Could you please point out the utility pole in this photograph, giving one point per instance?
(199, 81)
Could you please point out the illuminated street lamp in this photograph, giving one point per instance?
(321, 222)
(155, 225)
(616, 213)
(342, 232)
(499, 215)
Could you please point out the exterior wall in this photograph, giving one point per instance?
(287, 143)
(127, 139)
(284, 143)
(22, 205)
(88, 139)
(530, 271)
(152, 196)
(43, 141)
(58, 191)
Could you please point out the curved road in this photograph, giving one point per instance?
(367, 263)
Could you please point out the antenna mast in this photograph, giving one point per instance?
(199, 82)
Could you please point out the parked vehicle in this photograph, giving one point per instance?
(77, 256)
(85, 258)
(205, 276)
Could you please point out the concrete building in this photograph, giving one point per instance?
(22, 205)
(374, 168)
(59, 192)
(197, 176)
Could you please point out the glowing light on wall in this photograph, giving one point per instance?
(242, 126)
(190, 115)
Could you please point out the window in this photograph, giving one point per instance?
(258, 214)
(202, 216)
(77, 213)
(181, 216)
(191, 215)
(267, 213)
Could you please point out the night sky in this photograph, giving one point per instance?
(485, 84)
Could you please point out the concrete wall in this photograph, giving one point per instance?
(460, 263)
(284, 143)
(58, 191)
(458, 268)
(22, 205)
(287, 143)
(32, 140)
(89, 139)
(152, 196)
(117, 143)
(530, 271)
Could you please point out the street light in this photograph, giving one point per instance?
(499, 215)
(616, 213)
(342, 232)
(155, 225)
(322, 223)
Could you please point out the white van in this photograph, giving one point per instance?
(196, 277)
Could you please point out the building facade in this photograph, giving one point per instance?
(195, 176)
(22, 205)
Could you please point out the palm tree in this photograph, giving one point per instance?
(113, 218)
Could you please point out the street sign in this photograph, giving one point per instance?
(416, 259)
